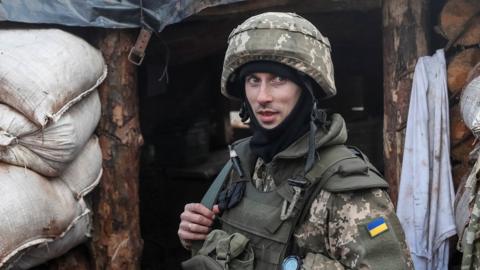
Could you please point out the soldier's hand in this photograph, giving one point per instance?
(195, 223)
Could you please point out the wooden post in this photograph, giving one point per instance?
(404, 40)
(117, 242)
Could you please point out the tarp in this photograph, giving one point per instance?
(154, 14)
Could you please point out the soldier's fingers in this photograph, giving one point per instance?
(185, 243)
(196, 219)
(189, 236)
(216, 209)
(194, 228)
(199, 209)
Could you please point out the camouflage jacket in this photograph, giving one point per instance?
(335, 234)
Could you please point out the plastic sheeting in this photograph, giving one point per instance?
(107, 14)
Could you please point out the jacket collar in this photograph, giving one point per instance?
(334, 134)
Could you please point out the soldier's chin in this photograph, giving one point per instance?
(269, 125)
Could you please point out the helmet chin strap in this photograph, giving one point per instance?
(318, 117)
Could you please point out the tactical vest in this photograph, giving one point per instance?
(258, 214)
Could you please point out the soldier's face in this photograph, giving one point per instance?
(271, 97)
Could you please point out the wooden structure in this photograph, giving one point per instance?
(404, 40)
(116, 242)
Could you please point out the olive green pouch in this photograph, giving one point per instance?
(222, 251)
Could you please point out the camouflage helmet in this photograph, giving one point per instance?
(286, 38)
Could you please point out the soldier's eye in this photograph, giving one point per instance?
(279, 79)
(251, 79)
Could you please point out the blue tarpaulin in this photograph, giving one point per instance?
(154, 14)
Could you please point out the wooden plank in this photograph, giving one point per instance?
(404, 40)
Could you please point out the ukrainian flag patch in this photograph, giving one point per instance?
(377, 226)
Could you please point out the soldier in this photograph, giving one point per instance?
(296, 196)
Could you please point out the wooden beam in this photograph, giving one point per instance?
(117, 242)
(244, 6)
(193, 40)
(302, 6)
(404, 40)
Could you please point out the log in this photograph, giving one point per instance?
(404, 40)
(460, 152)
(474, 73)
(460, 172)
(459, 132)
(116, 240)
(457, 17)
(458, 68)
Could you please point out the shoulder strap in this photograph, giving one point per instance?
(210, 198)
(211, 195)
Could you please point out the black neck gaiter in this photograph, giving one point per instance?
(266, 143)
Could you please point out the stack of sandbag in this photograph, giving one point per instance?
(49, 158)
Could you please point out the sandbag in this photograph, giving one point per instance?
(84, 173)
(35, 197)
(77, 233)
(47, 150)
(33, 210)
(43, 72)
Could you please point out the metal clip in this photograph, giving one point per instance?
(298, 181)
(137, 53)
(235, 161)
(287, 213)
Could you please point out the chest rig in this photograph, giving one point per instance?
(269, 219)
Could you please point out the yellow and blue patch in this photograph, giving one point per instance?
(377, 226)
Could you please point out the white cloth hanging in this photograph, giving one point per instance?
(426, 194)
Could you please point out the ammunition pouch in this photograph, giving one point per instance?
(222, 251)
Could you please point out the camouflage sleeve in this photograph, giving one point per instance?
(318, 261)
(357, 230)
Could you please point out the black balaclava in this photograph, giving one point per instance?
(266, 143)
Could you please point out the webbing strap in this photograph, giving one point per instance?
(210, 196)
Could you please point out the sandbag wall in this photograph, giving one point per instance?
(50, 158)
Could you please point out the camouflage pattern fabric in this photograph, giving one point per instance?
(471, 239)
(261, 179)
(337, 224)
(334, 236)
(284, 38)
